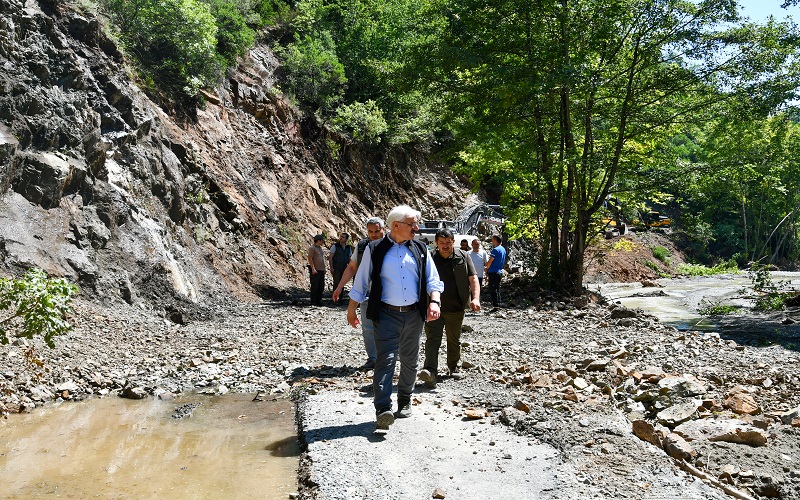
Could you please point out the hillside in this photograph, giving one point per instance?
(101, 185)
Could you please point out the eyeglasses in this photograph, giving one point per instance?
(410, 224)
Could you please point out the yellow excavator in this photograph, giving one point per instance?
(615, 223)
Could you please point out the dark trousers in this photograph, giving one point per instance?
(494, 288)
(337, 276)
(449, 322)
(397, 338)
(317, 287)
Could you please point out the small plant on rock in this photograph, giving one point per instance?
(35, 305)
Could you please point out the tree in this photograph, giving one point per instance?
(312, 71)
(561, 99)
(173, 41)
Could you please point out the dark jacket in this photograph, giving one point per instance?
(378, 250)
(461, 265)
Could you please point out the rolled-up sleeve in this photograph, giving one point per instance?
(360, 289)
(433, 283)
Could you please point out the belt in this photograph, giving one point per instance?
(402, 309)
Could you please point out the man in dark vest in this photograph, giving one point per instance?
(399, 276)
(375, 231)
(339, 258)
(461, 291)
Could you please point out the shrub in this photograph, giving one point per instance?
(37, 306)
(770, 297)
(312, 72)
(624, 245)
(364, 122)
(661, 254)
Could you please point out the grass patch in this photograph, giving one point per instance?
(710, 309)
(701, 270)
(661, 254)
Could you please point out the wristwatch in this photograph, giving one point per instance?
(436, 302)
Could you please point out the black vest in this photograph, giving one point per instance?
(378, 250)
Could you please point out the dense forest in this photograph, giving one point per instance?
(553, 106)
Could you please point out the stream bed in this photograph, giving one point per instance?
(676, 302)
(226, 447)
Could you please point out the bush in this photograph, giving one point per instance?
(661, 254)
(770, 297)
(312, 72)
(364, 122)
(37, 306)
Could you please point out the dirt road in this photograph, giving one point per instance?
(556, 390)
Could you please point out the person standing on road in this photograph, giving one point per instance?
(494, 270)
(398, 274)
(339, 258)
(479, 260)
(461, 291)
(316, 270)
(375, 231)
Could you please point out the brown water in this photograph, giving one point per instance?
(231, 447)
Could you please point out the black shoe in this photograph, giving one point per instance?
(384, 419)
(367, 366)
(403, 408)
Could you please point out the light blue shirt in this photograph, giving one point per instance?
(399, 277)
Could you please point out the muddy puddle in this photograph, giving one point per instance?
(230, 447)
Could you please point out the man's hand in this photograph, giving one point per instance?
(475, 305)
(433, 311)
(336, 294)
(352, 317)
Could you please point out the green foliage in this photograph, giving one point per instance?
(769, 294)
(35, 305)
(313, 73)
(701, 270)
(661, 254)
(364, 122)
(234, 36)
(173, 41)
(710, 309)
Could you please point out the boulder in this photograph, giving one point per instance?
(739, 400)
(729, 431)
(678, 414)
(678, 448)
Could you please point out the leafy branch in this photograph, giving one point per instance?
(35, 305)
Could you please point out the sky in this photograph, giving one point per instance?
(759, 10)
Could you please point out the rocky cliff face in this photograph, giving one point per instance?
(101, 185)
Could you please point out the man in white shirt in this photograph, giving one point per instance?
(399, 276)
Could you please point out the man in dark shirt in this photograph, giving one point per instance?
(461, 291)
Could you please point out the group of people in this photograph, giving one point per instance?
(403, 288)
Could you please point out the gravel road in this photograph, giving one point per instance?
(555, 388)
